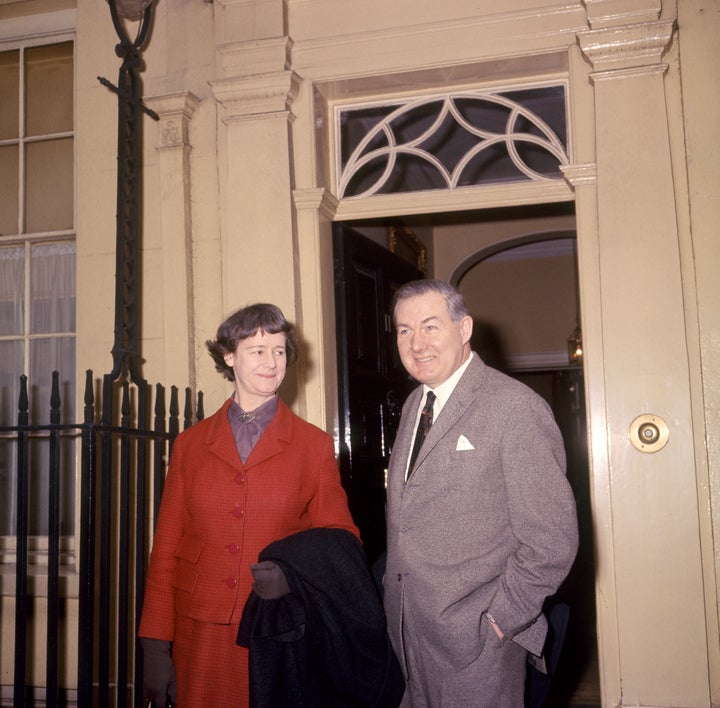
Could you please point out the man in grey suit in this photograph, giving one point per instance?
(482, 525)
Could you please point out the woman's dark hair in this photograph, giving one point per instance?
(245, 323)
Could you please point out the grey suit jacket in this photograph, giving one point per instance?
(485, 524)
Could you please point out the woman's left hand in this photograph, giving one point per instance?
(269, 580)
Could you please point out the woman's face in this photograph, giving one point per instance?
(259, 365)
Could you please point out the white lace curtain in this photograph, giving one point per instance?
(37, 337)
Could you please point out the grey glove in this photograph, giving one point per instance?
(270, 582)
(158, 672)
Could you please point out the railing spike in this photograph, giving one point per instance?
(89, 392)
(159, 401)
(55, 398)
(200, 414)
(174, 405)
(187, 422)
(23, 401)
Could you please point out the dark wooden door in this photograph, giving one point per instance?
(372, 383)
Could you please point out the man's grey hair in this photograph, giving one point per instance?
(453, 297)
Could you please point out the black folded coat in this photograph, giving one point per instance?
(325, 644)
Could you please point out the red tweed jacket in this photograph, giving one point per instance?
(217, 514)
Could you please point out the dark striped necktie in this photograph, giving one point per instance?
(426, 420)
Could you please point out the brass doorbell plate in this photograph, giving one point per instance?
(648, 433)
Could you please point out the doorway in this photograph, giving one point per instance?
(523, 294)
(494, 256)
(372, 384)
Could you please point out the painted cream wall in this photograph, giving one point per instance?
(536, 296)
(456, 244)
(650, 500)
(488, 284)
(698, 58)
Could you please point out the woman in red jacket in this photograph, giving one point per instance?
(251, 474)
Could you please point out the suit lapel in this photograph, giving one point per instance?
(277, 435)
(403, 439)
(219, 440)
(464, 395)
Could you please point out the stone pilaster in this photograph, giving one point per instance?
(255, 109)
(176, 237)
(645, 360)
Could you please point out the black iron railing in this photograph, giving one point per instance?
(122, 465)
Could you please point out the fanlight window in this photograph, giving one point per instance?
(452, 140)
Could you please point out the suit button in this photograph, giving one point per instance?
(234, 548)
(239, 478)
(231, 582)
(238, 512)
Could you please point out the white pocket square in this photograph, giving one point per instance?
(464, 444)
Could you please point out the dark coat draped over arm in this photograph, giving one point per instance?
(324, 645)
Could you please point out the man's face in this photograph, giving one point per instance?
(431, 346)
(259, 364)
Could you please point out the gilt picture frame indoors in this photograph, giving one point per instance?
(404, 243)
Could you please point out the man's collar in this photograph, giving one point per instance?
(445, 389)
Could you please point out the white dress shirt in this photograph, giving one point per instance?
(442, 394)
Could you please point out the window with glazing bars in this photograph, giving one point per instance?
(37, 261)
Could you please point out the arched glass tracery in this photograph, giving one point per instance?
(452, 140)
